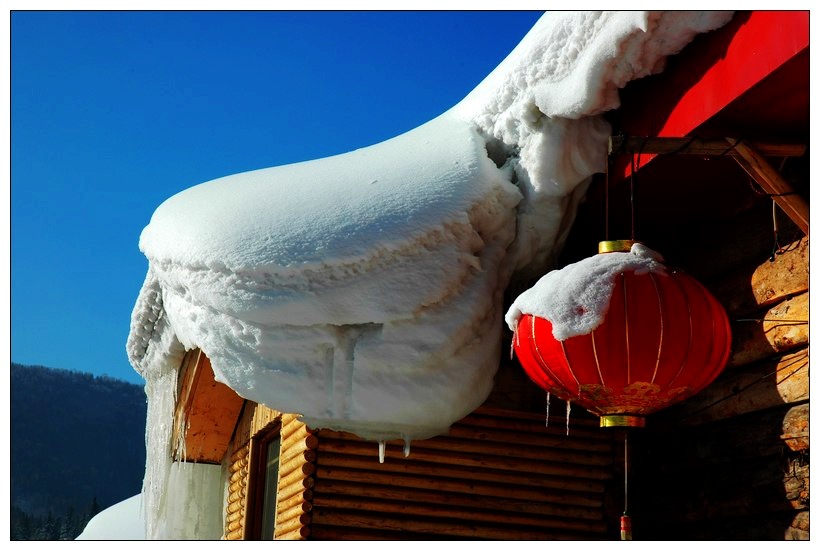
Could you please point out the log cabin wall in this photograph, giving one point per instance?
(497, 474)
(245, 475)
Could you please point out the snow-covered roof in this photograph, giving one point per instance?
(364, 291)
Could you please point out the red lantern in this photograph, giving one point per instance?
(663, 338)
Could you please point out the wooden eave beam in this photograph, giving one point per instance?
(206, 412)
(750, 155)
(705, 147)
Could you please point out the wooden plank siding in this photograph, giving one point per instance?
(495, 475)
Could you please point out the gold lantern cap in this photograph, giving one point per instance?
(615, 246)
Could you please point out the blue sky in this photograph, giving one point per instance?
(114, 112)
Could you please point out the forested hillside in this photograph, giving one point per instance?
(77, 446)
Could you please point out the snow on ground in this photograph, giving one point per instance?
(122, 521)
(364, 290)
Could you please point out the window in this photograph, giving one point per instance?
(263, 485)
(271, 478)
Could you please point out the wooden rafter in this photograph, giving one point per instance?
(770, 180)
(699, 146)
(751, 155)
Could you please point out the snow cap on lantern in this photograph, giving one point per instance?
(620, 334)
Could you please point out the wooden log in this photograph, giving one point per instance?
(304, 448)
(234, 506)
(292, 524)
(796, 428)
(293, 488)
(751, 288)
(770, 180)
(238, 474)
(462, 530)
(297, 474)
(523, 450)
(781, 328)
(585, 425)
(238, 466)
(284, 515)
(235, 526)
(237, 486)
(458, 486)
(290, 425)
(467, 447)
(783, 380)
(329, 490)
(300, 433)
(299, 499)
(474, 457)
(740, 439)
(522, 477)
(292, 464)
(298, 533)
(799, 528)
(441, 511)
(297, 446)
(235, 516)
(535, 438)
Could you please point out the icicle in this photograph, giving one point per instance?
(406, 446)
(514, 340)
(548, 411)
(569, 404)
(381, 451)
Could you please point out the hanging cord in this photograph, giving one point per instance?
(777, 248)
(626, 522)
(632, 195)
(606, 201)
(632, 187)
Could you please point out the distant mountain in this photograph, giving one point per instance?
(77, 446)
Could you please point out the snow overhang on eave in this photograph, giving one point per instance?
(741, 91)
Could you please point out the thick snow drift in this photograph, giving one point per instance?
(364, 291)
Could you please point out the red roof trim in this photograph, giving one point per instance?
(712, 72)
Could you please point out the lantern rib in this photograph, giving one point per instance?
(626, 330)
(660, 338)
(544, 365)
(597, 362)
(704, 294)
(571, 372)
(691, 331)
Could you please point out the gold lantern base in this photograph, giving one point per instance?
(619, 421)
